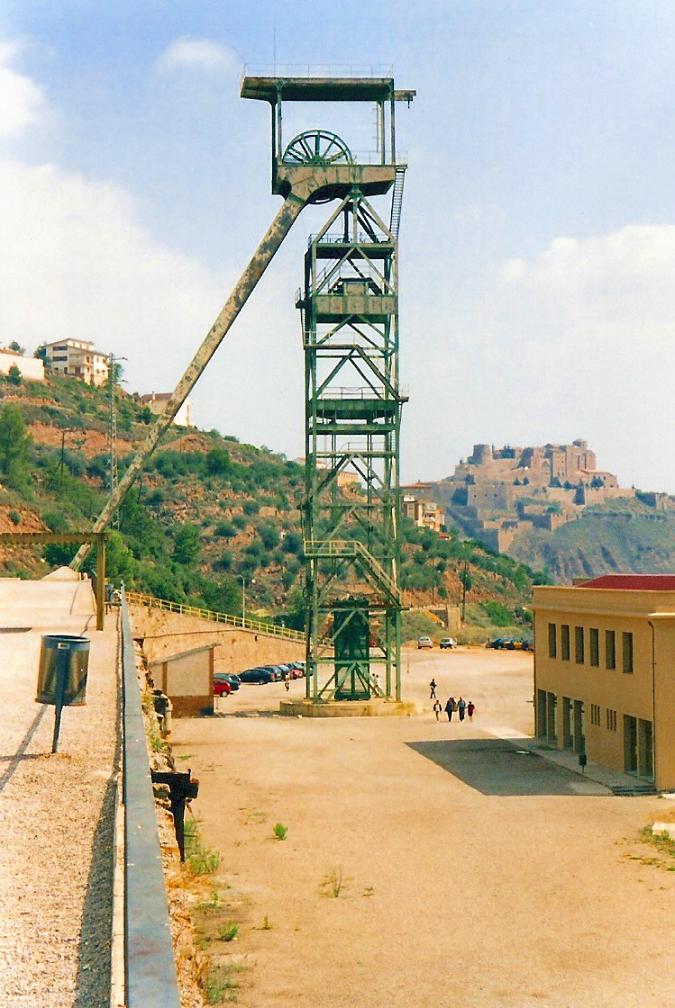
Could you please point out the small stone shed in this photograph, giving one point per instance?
(187, 679)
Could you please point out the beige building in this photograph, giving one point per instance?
(31, 368)
(156, 401)
(78, 359)
(604, 672)
(187, 680)
(424, 513)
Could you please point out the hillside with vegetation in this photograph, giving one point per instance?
(622, 535)
(207, 514)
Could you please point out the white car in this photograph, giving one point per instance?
(448, 642)
(423, 642)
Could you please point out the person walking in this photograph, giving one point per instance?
(470, 708)
(461, 708)
(450, 708)
(437, 708)
(432, 688)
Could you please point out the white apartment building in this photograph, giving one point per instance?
(156, 402)
(77, 359)
(30, 367)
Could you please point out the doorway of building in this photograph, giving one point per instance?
(551, 709)
(568, 724)
(579, 727)
(645, 749)
(630, 756)
(541, 713)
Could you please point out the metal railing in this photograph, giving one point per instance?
(257, 626)
(150, 971)
(378, 71)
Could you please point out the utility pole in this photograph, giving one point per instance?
(465, 575)
(112, 435)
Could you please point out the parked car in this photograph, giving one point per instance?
(233, 680)
(528, 645)
(448, 642)
(256, 675)
(221, 687)
(424, 642)
(497, 643)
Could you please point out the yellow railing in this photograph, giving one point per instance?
(257, 626)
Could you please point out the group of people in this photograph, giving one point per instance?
(461, 706)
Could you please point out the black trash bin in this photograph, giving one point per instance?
(68, 654)
(62, 675)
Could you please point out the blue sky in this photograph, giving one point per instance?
(538, 230)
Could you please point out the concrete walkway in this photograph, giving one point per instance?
(57, 810)
(613, 781)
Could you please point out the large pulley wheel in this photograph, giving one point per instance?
(317, 147)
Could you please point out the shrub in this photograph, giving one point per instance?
(15, 517)
(225, 530)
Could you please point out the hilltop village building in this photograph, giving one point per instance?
(495, 494)
(156, 402)
(417, 505)
(31, 368)
(604, 672)
(78, 359)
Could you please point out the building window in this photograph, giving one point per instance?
(579, 645)
(594, 642)
(628, 652)
(595, 714)
(610, 716)
(610, 649)
(552, 648)
(565, 642)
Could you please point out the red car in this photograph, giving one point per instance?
(221, 688)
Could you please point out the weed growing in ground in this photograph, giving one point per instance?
(204, 861)
(200, 859)
(266, 924)
(280, 831)
(664, 843)
(334, 881)
(220, 987)
(229, 932)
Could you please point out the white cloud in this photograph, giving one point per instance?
(74, 261)
(579, 342)
(200, 53)
(21, 101)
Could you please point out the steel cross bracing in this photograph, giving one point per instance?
(349, 310)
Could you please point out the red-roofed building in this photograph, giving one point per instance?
(604, 672)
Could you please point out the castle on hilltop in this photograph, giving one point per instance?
(496, 494)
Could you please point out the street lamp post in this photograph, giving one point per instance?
(243, 595)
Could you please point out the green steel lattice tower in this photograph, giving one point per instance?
(349, 310)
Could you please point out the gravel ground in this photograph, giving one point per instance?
(57, 810)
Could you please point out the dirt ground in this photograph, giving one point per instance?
(468, 873)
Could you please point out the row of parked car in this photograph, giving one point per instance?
(225, 683)
(446, 643)
(510, 644)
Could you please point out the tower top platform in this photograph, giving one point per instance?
(323, 89)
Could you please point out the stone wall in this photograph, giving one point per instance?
(167, 633)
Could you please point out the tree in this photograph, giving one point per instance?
(16, 348)
(217, 461)
(14, 445)
(14, 376)
(186, 544)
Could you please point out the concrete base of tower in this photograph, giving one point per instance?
(375, 707)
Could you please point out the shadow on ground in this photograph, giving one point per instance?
(496, 767)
